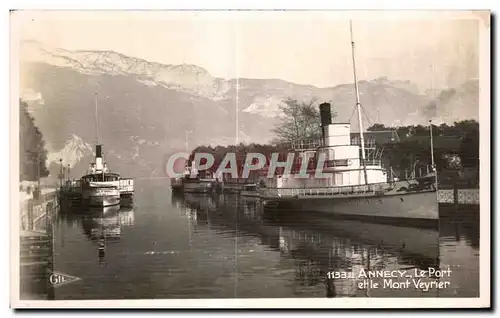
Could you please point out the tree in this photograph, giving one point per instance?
(31, 147)
(378, 127)
(469, 149)
(300, 120)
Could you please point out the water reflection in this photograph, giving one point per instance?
(104, 222)
(319, 246)
(98, 222)
(228, 246)
(101, 225)
(127, 216)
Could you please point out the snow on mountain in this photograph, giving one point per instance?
(185, 78)
(73, 151)
(267, 106)
(29, 95)
(32, 98)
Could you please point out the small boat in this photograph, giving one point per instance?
(231, 189)
(70, 193)
(250, 190)
(198, 185)
(195, 182)
(177, 185)
(126, 187)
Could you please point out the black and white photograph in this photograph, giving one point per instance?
(332, 159)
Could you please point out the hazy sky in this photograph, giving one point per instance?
(301, 47)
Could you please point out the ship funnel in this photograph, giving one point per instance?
(326, 118)
(326, 114)
(98, 151)
(98, 158)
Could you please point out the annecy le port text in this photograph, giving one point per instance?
(397, 279)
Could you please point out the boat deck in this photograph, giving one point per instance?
(355, 191)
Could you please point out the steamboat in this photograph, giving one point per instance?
(353, 183)
(99, 187)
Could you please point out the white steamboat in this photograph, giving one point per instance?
(356, 186)
(100, 187)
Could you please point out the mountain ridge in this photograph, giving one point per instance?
(172, 108)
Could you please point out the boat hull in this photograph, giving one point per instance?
(125, 186)
(178, 188)
(252, 194)
(231, 189)
(101, 197)
(412, 208)
(102, 201)
(198, 187)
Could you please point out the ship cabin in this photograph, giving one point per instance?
(101, 177)
(342, 159)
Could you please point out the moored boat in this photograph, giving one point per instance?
(99, 186)
(126, 187)
(231, 188)
(177, 185)
(194, 181)
(198, 185)
(250, 190)
(353, 183)
(109, 179)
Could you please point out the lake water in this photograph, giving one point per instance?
(196, 246)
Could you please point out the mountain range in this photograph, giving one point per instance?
(148, 110)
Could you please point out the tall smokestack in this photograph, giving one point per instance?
(98, 157)
(326, 114)
(326, 118)
(98, 151)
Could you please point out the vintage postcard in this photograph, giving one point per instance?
(250, 159)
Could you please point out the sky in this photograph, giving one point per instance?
(431, 49)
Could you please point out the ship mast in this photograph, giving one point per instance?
(96, 120)
(433, 164)
(434, 168)
(237, 34)
(98, 151)
(358, 106)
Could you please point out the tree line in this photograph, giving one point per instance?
(32, 152)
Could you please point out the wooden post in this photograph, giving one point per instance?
(455, 194)
(30, 215)
(50, 267)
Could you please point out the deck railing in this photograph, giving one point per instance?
(322, 191)
(315, 143)
(369, 143)
(308, 144)
(373, 162)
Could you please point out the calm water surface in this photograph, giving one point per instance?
(196, 246)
